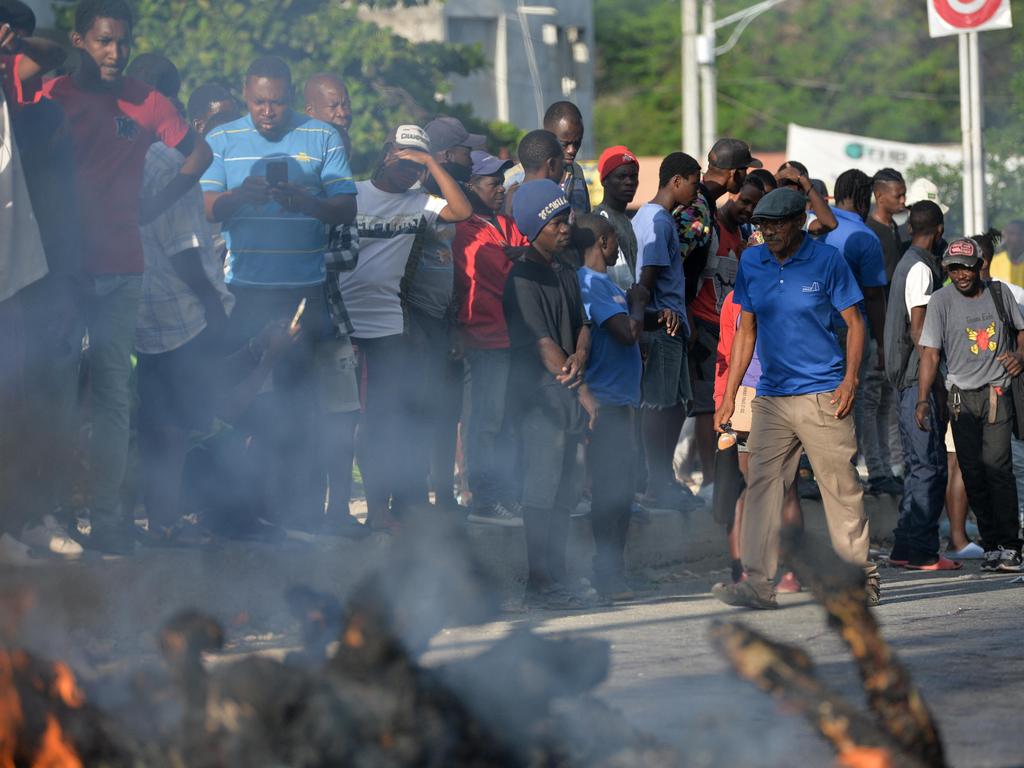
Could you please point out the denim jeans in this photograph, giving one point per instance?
(490, 447)
(916, 537)
(983, 449)
(112, 309)
(871, 409)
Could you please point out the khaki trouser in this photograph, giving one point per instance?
(781, 426)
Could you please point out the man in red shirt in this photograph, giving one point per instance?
(715, 282)
(113, 120)
(482, 263)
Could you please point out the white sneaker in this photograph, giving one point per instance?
(971, 551)
(13, 552)
(52, 537)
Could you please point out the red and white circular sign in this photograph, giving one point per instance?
(968, 14)
(951, 17)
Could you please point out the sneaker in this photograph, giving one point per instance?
(991, 560)
(498, 514)
(970, 551)
(51, 536)
(788, 584)
(743, 595)
(1010, 561)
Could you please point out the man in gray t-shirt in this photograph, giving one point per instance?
(967, 325)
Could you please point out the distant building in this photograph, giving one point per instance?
(538, 54)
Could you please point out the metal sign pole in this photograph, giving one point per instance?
(980, 223)
(965, 131)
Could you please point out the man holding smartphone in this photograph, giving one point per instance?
(279, 182)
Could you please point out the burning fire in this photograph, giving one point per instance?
(57, 689)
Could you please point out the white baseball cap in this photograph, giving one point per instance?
(411, 137)
(925, 189)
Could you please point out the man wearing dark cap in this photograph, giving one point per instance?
(917, 277)
(788, 289)
(452, 143)
(977, 330)
(545, 319)
(620, 176)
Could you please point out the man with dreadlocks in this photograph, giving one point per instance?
(863, 252)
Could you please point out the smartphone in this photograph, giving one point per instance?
(277, 172)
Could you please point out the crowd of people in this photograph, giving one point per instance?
(211, 284)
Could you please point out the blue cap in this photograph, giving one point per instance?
(485, 164)
(535, 204)
(780, 203)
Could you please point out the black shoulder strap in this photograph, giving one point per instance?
(1004, 317)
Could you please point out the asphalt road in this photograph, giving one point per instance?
(960, 636)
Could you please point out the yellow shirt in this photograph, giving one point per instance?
(1005, 270)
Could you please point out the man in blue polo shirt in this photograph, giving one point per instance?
(613, 374)
(278, 183)
(788, 289)
(862, 250)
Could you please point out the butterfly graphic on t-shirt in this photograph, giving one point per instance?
(983, 338)
(126, 128)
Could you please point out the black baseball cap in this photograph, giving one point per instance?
(732, 154)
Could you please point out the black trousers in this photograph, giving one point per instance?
(611, 461)
(983, 450)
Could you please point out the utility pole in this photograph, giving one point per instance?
(708, 78)
(980, 223)
(689, 97)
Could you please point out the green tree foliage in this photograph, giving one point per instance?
(862, 66)
(390, 79)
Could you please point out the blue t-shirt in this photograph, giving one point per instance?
(793, 302)
(657, 245)
(613, 368)
(862, 250)
(267, 245)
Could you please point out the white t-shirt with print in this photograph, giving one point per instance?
(387, 222)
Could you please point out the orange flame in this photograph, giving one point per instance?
(55, 752)
(65, 687)
(865, 757)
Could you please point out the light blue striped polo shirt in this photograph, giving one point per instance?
(268, 246)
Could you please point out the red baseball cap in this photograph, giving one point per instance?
(612, 158)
